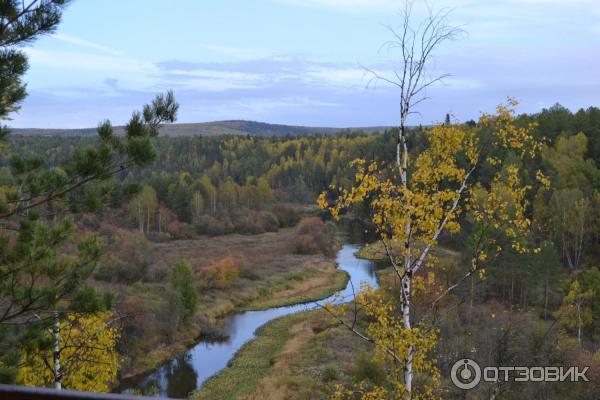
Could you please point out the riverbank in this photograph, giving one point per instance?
(299, 356)
(376, 251)
(272, 275)
(272, 365)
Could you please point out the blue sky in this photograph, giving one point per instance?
(299, 61)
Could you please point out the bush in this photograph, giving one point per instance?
(330, 373)
(158, 237)
(211, 226)
(222, 274)
(367, 369)
(180, 230)
(158, 272)
(314, 237)
(268, 221)
(128, 260)
(286, 215)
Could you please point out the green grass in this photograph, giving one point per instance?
(251, 363)
(339, 282)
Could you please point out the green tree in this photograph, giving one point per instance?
(210, 192)
(228, 194)
(183, 295)
(197, 205)
(575, 312)
(572, 218)
(21, 22)
(143, 207)
(264, 190)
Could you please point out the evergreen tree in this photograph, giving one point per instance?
(21, 22)
(39, 275)
(183, 296)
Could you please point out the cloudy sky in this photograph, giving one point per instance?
(300, 61)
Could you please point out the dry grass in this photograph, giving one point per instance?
(376, 251)
(271, 275)
(287, 361)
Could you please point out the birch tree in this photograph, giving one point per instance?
(412, 202)
(82, 356)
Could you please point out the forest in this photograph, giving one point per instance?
(238, 184)
(272, 264)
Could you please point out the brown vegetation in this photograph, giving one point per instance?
(234, 272)
(314, 236)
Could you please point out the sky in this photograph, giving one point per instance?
(302, 62)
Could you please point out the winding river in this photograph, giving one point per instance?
(182, 375)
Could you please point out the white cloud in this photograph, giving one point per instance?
(336, 75)
(85, 44)
(236, 52)
(70, 60)
(215, 74)
(258, 106)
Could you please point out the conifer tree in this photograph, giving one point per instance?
(43, 266)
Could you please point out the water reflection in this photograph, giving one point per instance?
(182, 375)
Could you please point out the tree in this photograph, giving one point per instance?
(228, 194)
(33, 251)
(39, 269)
(264, 191)
(572, 220)
(83, 354)
(575, 311)
(210, 192)
(183, 292)
(143, 207)
(197, 205)
(21, 22)
(412, 202)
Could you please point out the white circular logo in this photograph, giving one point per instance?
(465, 374)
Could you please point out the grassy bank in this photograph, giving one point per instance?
(376, 251)
(302, 289)
(301, 356)
(272, 274)
(301, 349)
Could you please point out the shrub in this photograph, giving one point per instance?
(367, 369)
(268, 221)
(158, 272)
(180, 230)
(223, 273)
(314, 237)
(158, 237)
(209, 225)
(286, 215)
(246, 222)
(128, 260)
(330, 373)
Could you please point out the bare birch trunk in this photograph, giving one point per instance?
(56, 353)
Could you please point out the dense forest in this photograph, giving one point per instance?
(250, 185)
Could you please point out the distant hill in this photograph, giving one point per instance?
(211, 129)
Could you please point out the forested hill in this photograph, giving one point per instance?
(236, 127)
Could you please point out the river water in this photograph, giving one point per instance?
(184, 374)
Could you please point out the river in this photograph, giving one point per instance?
(184, 374)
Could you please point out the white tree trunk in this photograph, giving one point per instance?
(408, 370)
(56, 353)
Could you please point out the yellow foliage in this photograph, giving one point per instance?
(88, 356)
(415, 203)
